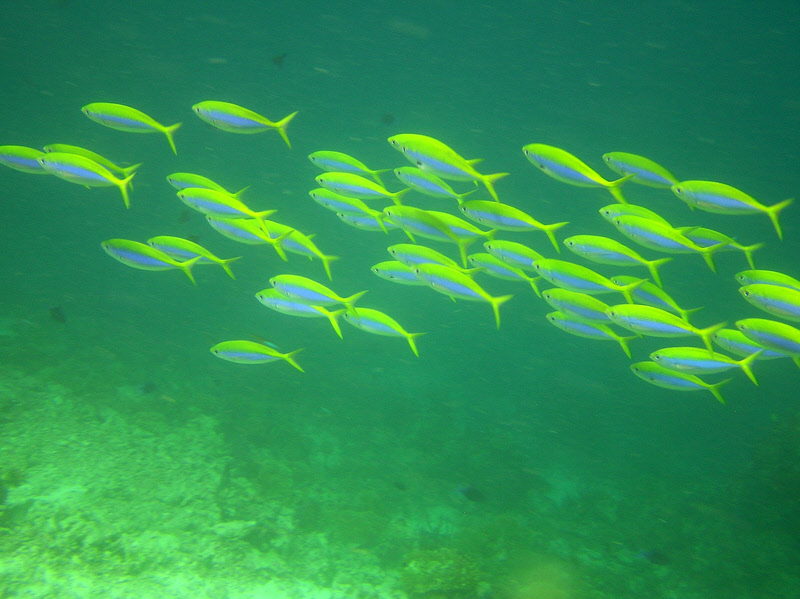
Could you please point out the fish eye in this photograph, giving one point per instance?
(746, 293)
(419, 163)
(678, 189)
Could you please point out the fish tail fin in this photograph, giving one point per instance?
(333, 317)
(379, 216)
(411, 337)
(326, 263)
(625, 344)
(123, 187)
(241, 191)
(376, 175)
(706, 333)
(745, 363)
(714, 389)
(748, 252)
(275, 242)
(773, 212)
(350, 301)
(290, 358)
(460, 196)
(170, 133)
(396, 196)
(708, 254)
(281, 126)
(490, 180)
(224, 264)
(550, 232)
(652, 266)
(685, 313)
(187, 268)
(626, 289)
(796, 360)
(129, 170)
(614, 188)
(463, 245)
(496, 303)
(534, 286)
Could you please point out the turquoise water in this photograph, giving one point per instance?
(523, 463)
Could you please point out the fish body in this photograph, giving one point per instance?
(423, 223)
(122, 171)
(777, 336)
(581, 279)
(292, 240)
(612, 211)
(507, 218)
(339, 162)
(644, 171)
(236, 119)
(708, 237)
(189, 180)
(699, 361)
(458, 285)
(782, 302)
(367, 222)
(497, 268)
(356, 186)
(250, 352)
(307, 291)
(378, 323)
(513, 253)
(655, 374)
(588, 330)
(125, 118)
(735, 342)
(275, 300)
(396, 272)
(84, 171)
(412, 254)
(437, 158)
(183, 250)
(578, 306)
(218, 204)
(348, 205)
(427, 183)
(144, 257)
(767, 277)
(563, 166)
(724, 199)
(23, 159)
(604, 250)
(651, 295)
(655, 322)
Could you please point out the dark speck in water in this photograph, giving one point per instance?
(472, 493)
(57, 314)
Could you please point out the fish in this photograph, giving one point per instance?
(650, 295)
(563, 166)
(695, 360)
(466, 233)
(236, 119)
(497, 268)
(656, 236)
(248, 231)
(604, 250)
(275, 300)
(581, 279)
(656, 374)
(735, 342)
(396, 272)
(343, 163)
(435, 157)
(655, 322)
(513, 253)
(644, 171)
(295, 242)
(142, 256)
(579, 306)
(183, 249)
(378, 323)
(367, 222)
(507, 218)
(189, 180)
(612, 211)
(428, 184)
(83, 171)
(588, 330)
(250, 352)
(767, 277)
(356, 186)
(23, 159)
(777, 336)
(415, 221)
(125, 118)
(221, 205)
(708, 237)
(412, 254)
(720, 198)
(122, 171)
(310, 292)
(782, 302)
(456, 284)
(347, 205)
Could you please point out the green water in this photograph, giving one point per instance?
(523, 463)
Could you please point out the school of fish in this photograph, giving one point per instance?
(359, 197)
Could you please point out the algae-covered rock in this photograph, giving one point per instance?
(439, 572)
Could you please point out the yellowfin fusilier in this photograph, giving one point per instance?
(310, 292)
(604, 250)
(378, 323)
(767, 277)
(655, 322)
(581, 279)
(125, 118)
(650, 295)
(427, 183)
(772, 334)
(367, 222)
(458, 285)
(437, 158)
(579, 306)
(495, 267)
(612, 211)
(122, 171)
(142, 256)
(218, 204)
(183, 249)
(412, 254)
(708, 237)
(339, 162)
(250, 352)
(396, 272)
(782, 302)
(418, 222)
(83, 171)
(188, 180)
(356, 186)
(251, 231)
(348, 205)
(295, 242)
(513, 253)
(724, 199)
(669, 379)
(644, 170)
(563, 166)
(507, 218)
(736, 342)
(696, 360)
(275, 300)
(236, 119)
(23, 159)
(589, 330)
(656, 236)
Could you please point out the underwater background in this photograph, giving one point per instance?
(519, 463)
